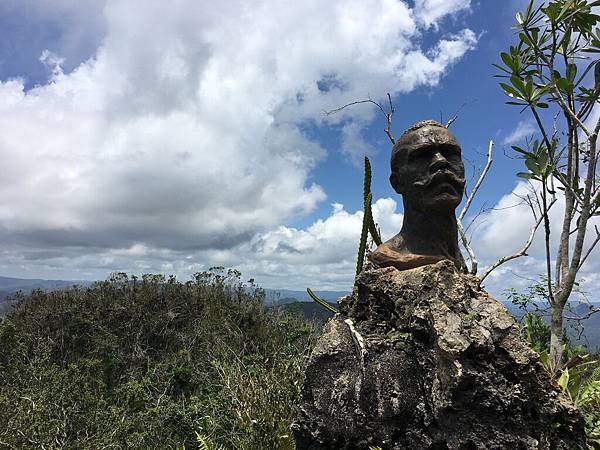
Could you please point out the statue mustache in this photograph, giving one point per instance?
(440, 176)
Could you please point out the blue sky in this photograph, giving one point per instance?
(151, 137)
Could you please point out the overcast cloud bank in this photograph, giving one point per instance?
(179, 144)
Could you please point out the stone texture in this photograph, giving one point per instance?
(425, 359)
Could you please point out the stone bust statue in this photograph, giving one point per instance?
(427, 170)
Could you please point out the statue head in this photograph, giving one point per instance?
(427, 168)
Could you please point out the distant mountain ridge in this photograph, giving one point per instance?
(283, 296)
(9, 286)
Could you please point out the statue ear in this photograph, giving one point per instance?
(396, 184)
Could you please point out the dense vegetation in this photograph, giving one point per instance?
(156, 363)
(151, 364)
(579, 377)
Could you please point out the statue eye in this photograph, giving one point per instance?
(423, 154)
(451, 153)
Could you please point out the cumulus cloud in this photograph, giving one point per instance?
(430, 12)
(71, 29)
(354, 144)
(504, 230)
(524, 129)
(322, 255)
(181, 137)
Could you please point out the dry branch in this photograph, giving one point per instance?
(522, 252)
(388, 114)
(462, 214)
(484, 173)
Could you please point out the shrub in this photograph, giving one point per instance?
(151, 363)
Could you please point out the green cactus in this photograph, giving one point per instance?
(320, 301)
(368, 227)
(362, 245)
(372, 227)
(367, 179)
(367, 203)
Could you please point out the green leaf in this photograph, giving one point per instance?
(519, 18)
(507, 60)
(552, 11)
(541, 105)
(563, 381)
(526, 175)
(525, 39)
(518, 84)
(497, 66)
(564, 9)
(523, 152)
(545, 359)
(571, 72)
(543, 157)
(510, 91)
(564, 84)
(533, 166)
(529, 88)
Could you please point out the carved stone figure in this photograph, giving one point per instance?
(419, 356)
(427, 170)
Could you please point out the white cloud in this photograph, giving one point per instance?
(354, 144)
(181, 137)
(524, 129)
(71, 29)
(430, 12)
(504, 230)
(322, 256)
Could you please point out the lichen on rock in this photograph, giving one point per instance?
(426, 359)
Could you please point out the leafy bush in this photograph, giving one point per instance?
(579, 377)
(151, 363)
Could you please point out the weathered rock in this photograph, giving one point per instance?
(425, 359)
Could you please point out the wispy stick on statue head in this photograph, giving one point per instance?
(427, 170)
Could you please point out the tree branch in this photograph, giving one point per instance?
(591, 247)
(522, 252)
(455, 116)
(388, 115)
(465, 242)
(587, 315)
(485, 171)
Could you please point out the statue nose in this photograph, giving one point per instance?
(438, 162)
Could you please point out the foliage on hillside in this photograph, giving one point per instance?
(579, 377)
(148, 364)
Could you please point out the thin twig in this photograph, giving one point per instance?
(389, 117)
(465, 242)
(463, 236)
(486, 169)
(587, 315)
(522, 252)
(388, 114)
(591, 247)
(455, 116)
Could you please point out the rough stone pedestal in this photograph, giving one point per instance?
(425, 359)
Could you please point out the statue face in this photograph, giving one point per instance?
(429, 172)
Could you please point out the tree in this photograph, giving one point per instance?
(553, 73)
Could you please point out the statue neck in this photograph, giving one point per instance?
(431, 233)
